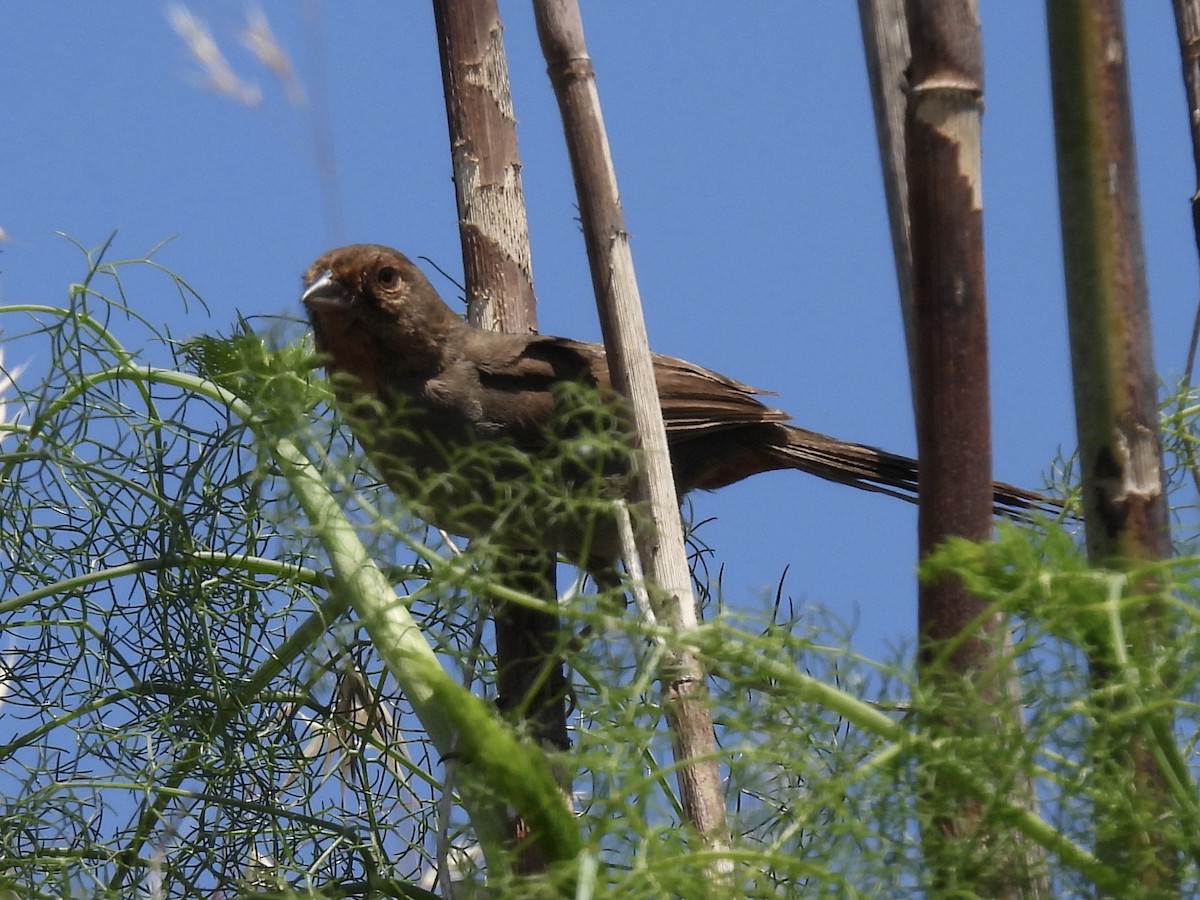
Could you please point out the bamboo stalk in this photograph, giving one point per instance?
(487, 166)
(961, 663)
(660, 541)
(496, 263)
(1187, 27)
(1124, 497)
(886, 49)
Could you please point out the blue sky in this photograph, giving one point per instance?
(747, 162)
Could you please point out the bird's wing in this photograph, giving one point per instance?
(698, 401)
(521, 379)
(695, 400)
(518, 362)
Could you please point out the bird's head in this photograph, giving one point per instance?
(366, 300)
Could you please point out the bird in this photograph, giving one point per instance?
(520, 438)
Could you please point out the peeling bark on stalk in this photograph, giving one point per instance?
(1115, 386)
(946, 205)
(1124, 495)
(962, 662)
(487, 167)
(496, 263)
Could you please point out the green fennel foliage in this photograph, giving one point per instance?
(210, 686)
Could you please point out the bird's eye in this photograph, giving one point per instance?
(387, 276)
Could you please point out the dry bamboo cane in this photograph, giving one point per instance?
(660, 540)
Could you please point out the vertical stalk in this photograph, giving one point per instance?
(487, 166)
(962, 664)
(496, 263)
(660, 540)
(1116, 414)
(886, 50)
(1187, 26)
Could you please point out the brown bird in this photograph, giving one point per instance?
(489, 434)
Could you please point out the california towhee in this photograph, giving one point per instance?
(489, 434)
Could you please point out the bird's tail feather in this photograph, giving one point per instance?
(872, 469)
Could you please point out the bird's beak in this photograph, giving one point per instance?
(326, 294)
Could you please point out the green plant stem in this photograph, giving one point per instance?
(504, 770)
(719, 643)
